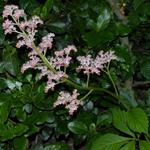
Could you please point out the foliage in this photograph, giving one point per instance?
(115, 112)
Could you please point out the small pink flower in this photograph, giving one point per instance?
(8, 10)
(70, 101)
(19, 13)
(47, 42)
(20, 43)
(8, 26)
(91, 65)
(70, 48)
(30, 64)
(34, 21)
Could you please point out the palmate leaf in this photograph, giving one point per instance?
(109, 142)
(120, 121)
(137, 120)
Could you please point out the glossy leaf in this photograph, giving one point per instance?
(103, 19)
(77, 127)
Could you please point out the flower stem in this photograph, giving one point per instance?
(88, 78)
(86, 95)
(111, 79)
(80, 87)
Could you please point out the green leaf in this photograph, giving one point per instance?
(137, 120)
(3, 83)
(45, 11)
(57, 146)
(137, 3)
(57, 26)
(120, 121)
(104, 119)
(122, 29)
(11, 60)
(77, 127)
(9, 131)
(37, 118)
(145, 69)
(144, 145)
(20, 143)
(109, 142)
(94, 38)
(103, 19)
(4, 110)
(129, 146)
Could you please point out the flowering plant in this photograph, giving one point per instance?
(52, 67)
(91, 96)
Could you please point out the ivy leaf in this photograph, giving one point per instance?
(137, 120)
(77, 127)
(120, 121)
(109, 141)
(144, 145)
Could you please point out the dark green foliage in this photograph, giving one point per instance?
(107, 121)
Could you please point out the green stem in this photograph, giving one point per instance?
(111, 79)
(47, 63)
(88, 78)
(80, 87)
(84, 97)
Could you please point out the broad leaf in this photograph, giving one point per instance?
(109, 142)
(120, 121)
(137, 120)
(145, 69)
(129, 146)
(77, 127)
(103, 19)
(10, 131)
(144, 145)
(20, 143)
(4, 110)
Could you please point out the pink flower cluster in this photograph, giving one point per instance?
(91, 65)
(70, 101)
(62, 58)
(15, 13)
(26, 31)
